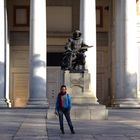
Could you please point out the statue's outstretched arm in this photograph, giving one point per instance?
(85, 45)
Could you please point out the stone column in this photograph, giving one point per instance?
(138, 42)
(126, 53)
(88, 29)
(2, 55)
(7, 56)
(37, 54)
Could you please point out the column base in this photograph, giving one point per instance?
(8, 102)
(127, 103)
(83, 112)
(37, 103)
(3, 103)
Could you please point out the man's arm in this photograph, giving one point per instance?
(56, 104)
(69, 101)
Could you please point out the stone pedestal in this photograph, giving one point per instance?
(83, 112)
(78, 87)
(84, 105)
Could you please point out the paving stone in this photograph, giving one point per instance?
(31, 138)
(24, 124)
(112, 138)
(135, 138)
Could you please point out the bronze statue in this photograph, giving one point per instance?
(74, 55)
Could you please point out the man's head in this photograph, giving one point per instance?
(63, 88)
(76, 34)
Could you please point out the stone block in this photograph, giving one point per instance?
(99, 114)
(51, 114)
(84, 112)
(73, 114)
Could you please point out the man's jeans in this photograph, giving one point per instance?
(66, 112)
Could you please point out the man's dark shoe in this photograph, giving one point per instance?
(62, 131)
(72, 131)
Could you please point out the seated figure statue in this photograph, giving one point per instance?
(74, 55)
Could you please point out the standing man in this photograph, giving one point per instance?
(63, 106)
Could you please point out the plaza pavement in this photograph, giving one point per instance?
(31, 124)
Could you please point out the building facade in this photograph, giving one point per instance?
(33, 35)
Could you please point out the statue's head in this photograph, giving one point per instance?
(76, 34)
